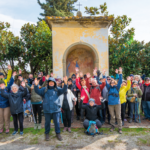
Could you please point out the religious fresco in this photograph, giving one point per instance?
(81, 58)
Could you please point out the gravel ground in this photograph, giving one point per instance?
(77, 140)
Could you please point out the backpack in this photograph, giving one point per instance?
(92, 129)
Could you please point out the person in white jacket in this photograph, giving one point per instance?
(66, 103)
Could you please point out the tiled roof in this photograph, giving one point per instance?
(100, 18)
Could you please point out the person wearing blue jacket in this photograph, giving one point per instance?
(114, 101)
(51, 109)
(5, 107)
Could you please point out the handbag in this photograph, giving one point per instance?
(131, 99)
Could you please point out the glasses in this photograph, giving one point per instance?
(73, 77)
(108, 79)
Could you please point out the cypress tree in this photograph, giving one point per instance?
(57, 8)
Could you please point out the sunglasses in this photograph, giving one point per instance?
(108, 79)
(73, 77)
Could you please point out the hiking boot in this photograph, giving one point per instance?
(59, 137)
(136, 121)
(46, 137)
(15, 132)
(120, 131)
(130, 121)
(69, 130)
(35, 126)
(112, 128)
(65, 129)
(21, 133)
(122, 123)
(7, 131)
(39, 126)
(1, 131)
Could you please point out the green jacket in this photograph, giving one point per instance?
(136, 91)
(35, 98)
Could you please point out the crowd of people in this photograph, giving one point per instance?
(95, 98)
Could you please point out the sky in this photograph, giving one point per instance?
(19, 12)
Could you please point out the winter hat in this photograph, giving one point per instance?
(70, 79)
(131, 75)
(135, 82)
(112, 77)
(1, 82)
(73, 76)
(147, 78)
(92, 100)
(1, 74)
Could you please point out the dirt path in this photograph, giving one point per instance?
(77, 140)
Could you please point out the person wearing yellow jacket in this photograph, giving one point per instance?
(8, 75)
(122, 95)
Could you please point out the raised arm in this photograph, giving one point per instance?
(128, 84)
(64, 89)
(4, 94)
(120, 78)
(78, 84)
(9, 74)
(103, 84)
(10, 84)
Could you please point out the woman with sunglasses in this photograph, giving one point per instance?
(114, 101)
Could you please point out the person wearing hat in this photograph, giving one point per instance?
(132, 78)
(92, 111)
(8, 75)
(5, 107)
(146, 98)
(135, 92)
(51, 109)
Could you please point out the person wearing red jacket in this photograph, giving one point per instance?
(81, 85)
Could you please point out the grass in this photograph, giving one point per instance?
(34, 141)
(143, 142)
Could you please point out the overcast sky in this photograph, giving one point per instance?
(19, 12)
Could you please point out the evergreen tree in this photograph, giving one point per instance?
(57, 8)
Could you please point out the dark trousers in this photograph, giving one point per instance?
(82, 112)
(66, 114)
(37, 108)
(146, 108)
(127, 106)
(55, 117)
(17, 117)
(86, 123)
(134, 108)
(77, 107)
(107, 111)
(123, 106)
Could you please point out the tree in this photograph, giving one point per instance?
(38, 44)
(57, 8)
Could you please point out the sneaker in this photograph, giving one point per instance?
(35, 126)
(120, 131)
(1, 131)
(130, 121)
(21, 133)
(15, 132)
(65, 129)
(39, 126)
(112, 128)
(69, 130)
(7, 131)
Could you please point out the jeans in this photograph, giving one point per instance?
(27, 106)
(17, 117)
(146, 108)
(134, 108)
(86, 123)
(55, 117)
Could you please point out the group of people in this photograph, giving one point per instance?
(94, 98)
